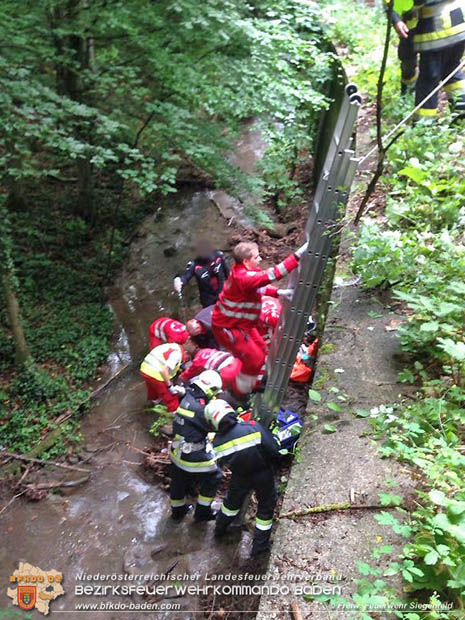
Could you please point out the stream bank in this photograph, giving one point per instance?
(118, 521)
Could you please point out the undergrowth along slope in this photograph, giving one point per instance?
(104, 109)
(415, 246)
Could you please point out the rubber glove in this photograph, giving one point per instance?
(177, 390)
(285, 292)
(301, 250)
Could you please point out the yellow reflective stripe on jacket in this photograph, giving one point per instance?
(194, 466)
(151, 371)
(187, 413)
(429, 37)
(237, 444)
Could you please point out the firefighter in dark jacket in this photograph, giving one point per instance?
(440, 40)
(191, 454)
(250, 451)
(209, 269)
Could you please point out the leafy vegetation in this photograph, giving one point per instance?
(416, 248)
(67, 323)
(105, 106)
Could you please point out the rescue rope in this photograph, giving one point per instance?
(461, 65)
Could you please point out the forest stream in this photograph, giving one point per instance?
(118, 523)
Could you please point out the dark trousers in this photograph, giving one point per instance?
(408, 62)
(262, 482)
(182, 481)
(434, 67)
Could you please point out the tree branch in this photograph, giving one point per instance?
(379, 117)
(30, 459)
(293, 514)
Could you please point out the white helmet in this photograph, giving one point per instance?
(216, 410)
(209, 381)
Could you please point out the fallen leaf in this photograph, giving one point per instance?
(329, 428)
(393, 325)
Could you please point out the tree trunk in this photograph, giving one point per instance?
(15, 184)
(70, 84)
(17, 197)
(85, 190)
(14, 315)
(8, 286)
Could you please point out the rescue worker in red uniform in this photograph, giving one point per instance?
(251, 453)
(159, 368)
(223, 362)
(237, 312)
(209, 269)
(165, 330)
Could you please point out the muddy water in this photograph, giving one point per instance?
(118, 523)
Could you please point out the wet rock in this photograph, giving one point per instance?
(158, 549)
(177, 565)
(90, 448)
(132, 565)
(73, 459)
(278, 231)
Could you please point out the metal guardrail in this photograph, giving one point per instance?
(322, 226)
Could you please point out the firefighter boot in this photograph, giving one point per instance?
(221, 526)
(179, 512)
(204, 513)
(261, 542)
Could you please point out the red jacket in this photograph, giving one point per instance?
(207, 359)
(169, 330)
(240, 302)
